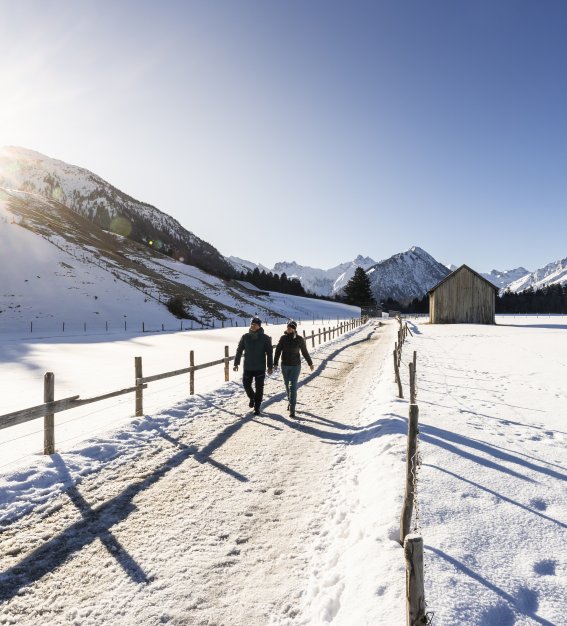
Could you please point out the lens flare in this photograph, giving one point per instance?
(121, 226)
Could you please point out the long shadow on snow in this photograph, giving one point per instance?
(362, 435)
(516, 605)
(97, 521)
(497, 495)
(440, 437)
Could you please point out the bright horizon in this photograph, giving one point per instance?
(312, 132)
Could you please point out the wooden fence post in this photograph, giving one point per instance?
(412, 383)
(415, 593)
(319, 335)
(49, 419)
(411, 467)
(397, 372)
(226, 361)
(140, 389)
(192, 373)
(324, 333)
(312, 338)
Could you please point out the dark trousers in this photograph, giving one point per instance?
(258, 377)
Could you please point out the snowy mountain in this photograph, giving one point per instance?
(109, 208)
(56, 267)
(554, 273)
(406, 275)
(503, 279)
(315, 280)
(242, 265)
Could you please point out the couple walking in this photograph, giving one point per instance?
(257, 348)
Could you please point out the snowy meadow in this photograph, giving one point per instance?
(280, 521)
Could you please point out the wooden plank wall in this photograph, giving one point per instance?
(462, 299)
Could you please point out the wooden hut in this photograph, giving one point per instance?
(463, 297)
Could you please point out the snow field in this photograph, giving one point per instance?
(200, 513)
(225, 517)
(492, 487)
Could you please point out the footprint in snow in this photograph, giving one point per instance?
(545, 567)
(538, 503)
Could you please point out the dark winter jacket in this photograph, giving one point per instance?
(257, 348)
(289, 347)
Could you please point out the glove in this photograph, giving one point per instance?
(270, 371)
(235, 368)
(311, 366)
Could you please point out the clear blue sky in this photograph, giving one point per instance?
(309, 130)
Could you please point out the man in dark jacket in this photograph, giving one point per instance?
(289, 346)
(257, 348)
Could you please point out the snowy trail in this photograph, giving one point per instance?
(221, 521)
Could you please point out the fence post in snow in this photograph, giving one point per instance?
(324, 333)
(49, 419)
(415, 594)
(192, 373)
(319, 333)
(412, 382)
(139, 386)
(312, 338)
(411, 468)
(226, 362)
(397, 372)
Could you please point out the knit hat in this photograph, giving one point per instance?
(256, 320)
(292, 324)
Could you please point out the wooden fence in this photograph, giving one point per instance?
(51, 406)
(416, 614)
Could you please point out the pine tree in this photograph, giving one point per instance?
(357, 290)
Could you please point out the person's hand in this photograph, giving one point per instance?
(311, 366)
(270, 370)
(235, 368)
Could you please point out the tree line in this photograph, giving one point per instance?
(273, 282)
(550, 299)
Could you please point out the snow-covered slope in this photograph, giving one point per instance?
(503, 279)
(56, 267)
(552, 274)
(109, 208)
(406, 275)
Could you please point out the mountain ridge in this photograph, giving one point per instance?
(106, 206)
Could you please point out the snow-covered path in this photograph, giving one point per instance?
(221, 520)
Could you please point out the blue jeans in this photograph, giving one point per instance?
(290, 375)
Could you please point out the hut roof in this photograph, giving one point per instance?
(458, 270)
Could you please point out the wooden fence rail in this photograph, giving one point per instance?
(51, 406)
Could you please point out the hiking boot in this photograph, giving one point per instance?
(257, 412)
(251, 403)
(292, 412)
(288, 406)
